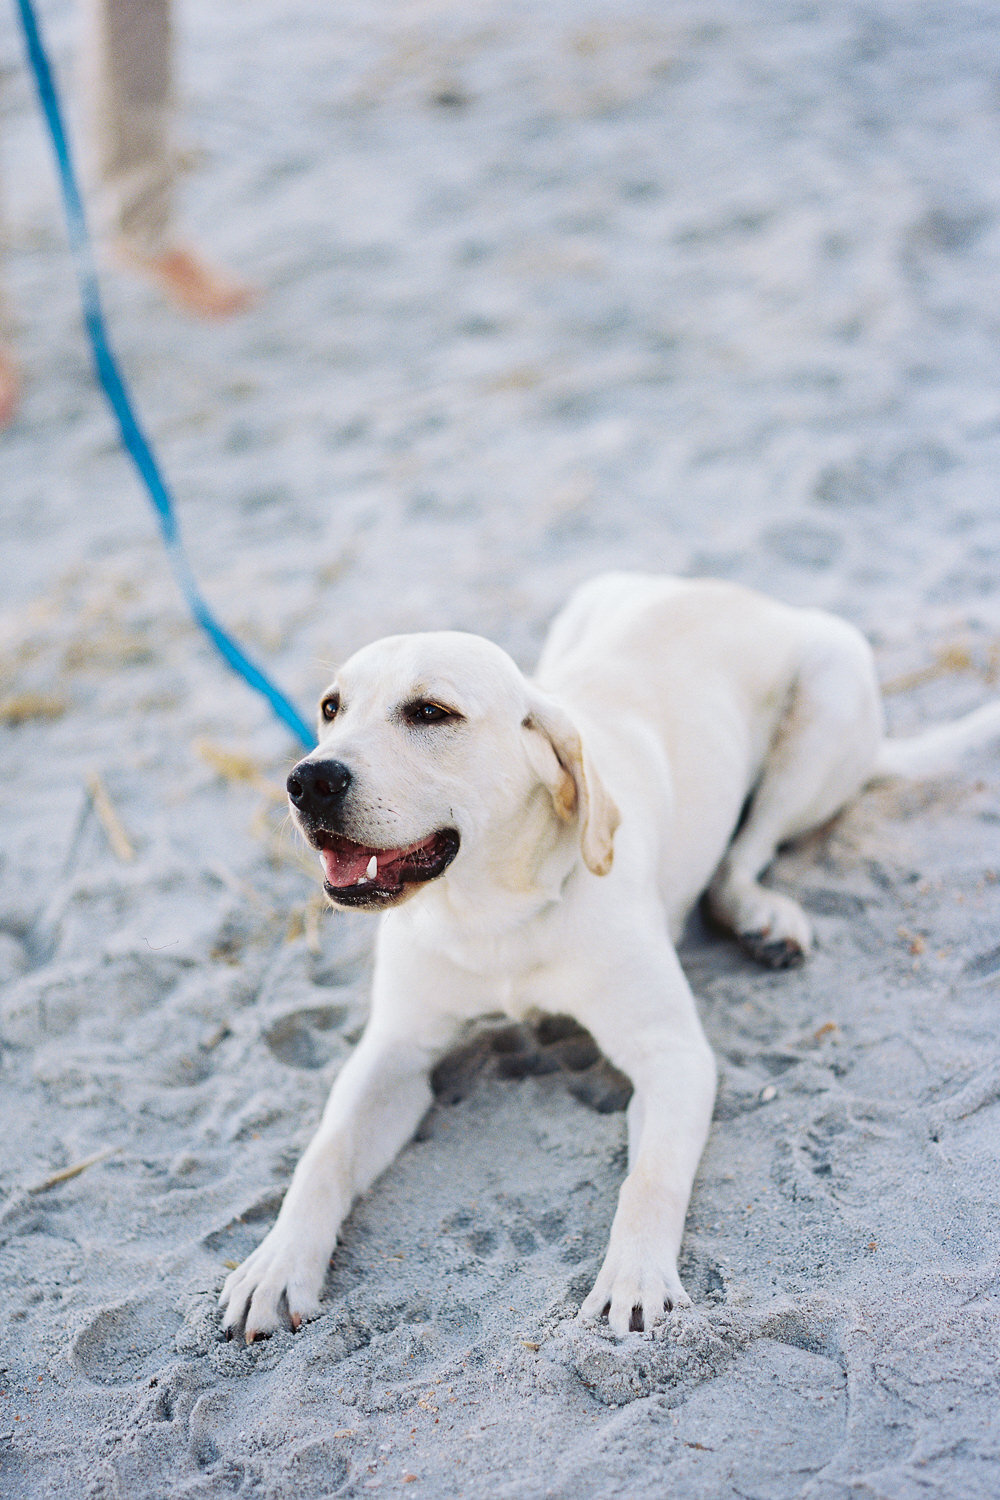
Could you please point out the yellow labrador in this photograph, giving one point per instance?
(536, 845)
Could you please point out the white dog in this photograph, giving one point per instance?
(537, 846)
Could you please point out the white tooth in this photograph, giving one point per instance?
(372, 869)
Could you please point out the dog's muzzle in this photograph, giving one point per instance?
(356, 874)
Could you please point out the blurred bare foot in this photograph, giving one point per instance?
(10, 388)
(189, 283)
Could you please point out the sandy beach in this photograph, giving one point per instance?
(546, 288)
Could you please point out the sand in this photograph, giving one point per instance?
(546, 288)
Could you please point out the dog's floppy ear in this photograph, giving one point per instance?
(565, 768)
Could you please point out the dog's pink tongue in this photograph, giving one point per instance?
(345, 865)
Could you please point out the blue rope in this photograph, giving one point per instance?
(110, 378)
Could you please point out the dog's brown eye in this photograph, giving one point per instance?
(329, 708)
(425, 712)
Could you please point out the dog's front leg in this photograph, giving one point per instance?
(376, 1103)
(652, 1032)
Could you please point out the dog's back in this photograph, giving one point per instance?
(652, 636)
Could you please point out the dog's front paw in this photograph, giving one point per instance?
(636, 1293)
(278, 1286)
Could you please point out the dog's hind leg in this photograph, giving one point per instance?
(822, 754)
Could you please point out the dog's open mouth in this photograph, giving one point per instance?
(360, 875)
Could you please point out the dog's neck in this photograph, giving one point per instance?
(489, 899)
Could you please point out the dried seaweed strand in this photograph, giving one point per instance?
(68, 1173)
(119, 840)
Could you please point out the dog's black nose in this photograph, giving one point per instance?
(318, 784)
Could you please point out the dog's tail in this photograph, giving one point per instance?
(937, 751)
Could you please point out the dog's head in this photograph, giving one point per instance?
(432, 744)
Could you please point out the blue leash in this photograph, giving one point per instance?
(110, 377)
